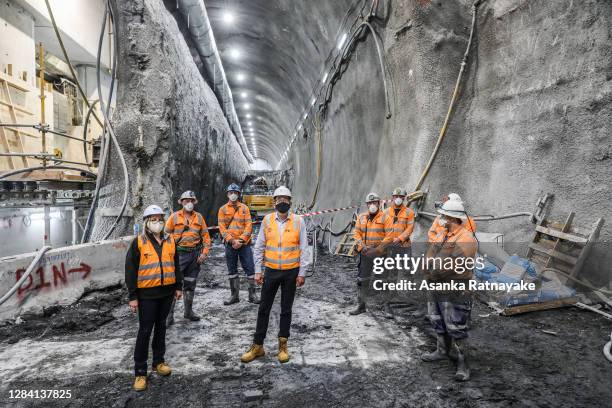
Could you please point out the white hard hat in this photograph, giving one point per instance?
(372, 197)
(454, 209)
(282, 191)
(454, 197)
(152, 210)
(188, 194)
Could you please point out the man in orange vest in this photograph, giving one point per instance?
(282, 247)
(153, 282)
(235, 227)
(189, 230)
(450, 311)
(398, 229)
(436, 227)
(369, 235)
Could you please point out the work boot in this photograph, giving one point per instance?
(256, 350)
(235, 291)
(162, 369)
(459, 347)
(440, 353)
(188, 296)
(140, 383)
(388, 311)
(253, 291)
(170, 319)
(283, 354)
(361, 306)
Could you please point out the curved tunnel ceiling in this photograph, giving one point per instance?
(273, 52)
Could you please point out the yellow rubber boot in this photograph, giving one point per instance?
(254, 352)
(163, 369)
(283, 354)
(140, 383)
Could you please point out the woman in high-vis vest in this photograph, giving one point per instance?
(153, 281)
(281, 247)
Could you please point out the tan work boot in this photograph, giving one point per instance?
(283, 354)
(254, 352)
(140, 383)
(163, 369)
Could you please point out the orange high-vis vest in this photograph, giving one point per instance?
(369, 232)
(235, 222)
(400, 225)
(282, 249)
(194, 236)
(436, 229)
(153, 271)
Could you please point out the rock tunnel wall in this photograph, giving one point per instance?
(168, 121)
(534, 115)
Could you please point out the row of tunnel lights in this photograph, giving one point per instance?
(340, 45)
(228, 18)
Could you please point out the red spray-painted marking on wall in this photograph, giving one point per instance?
(59, 278)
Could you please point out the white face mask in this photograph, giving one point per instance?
(398, 201)
(155, 226)
(188, 206)
(443, 222)
(372, 208)
(233, 197)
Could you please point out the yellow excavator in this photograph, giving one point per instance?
(257, 195)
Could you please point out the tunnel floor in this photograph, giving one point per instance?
(337, 359)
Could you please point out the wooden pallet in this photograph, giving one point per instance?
(6, 101)
(346, 246)
(532, 307)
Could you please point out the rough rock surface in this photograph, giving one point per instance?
(168, 122)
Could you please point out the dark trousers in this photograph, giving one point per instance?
(188, 262)
(245, 254)
(152, 315)
(274, 278)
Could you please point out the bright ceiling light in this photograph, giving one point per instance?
(243, 95)
(235, 53)
(248, 115)
(250, 123)
(342, 41)
(312, 102)
(305, 115)
(228, 18)
(247, 106)
(325, 77)
(300, 127)
(240, 77)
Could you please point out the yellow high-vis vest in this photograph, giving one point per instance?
(282, 251)
(150, 272)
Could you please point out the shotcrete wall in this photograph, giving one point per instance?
(168, 121)
(534, 115)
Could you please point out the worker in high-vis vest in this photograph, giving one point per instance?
(153, 282)
(398, 229)
(369, 235)
(190, 233)
(437, 228)
(281, 248)
(235, 228)
(450, 311)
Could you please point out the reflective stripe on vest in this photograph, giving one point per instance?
(282, 249)
(374, 230)
(151, 270)
(190, 237)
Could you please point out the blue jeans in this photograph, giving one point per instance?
(245, 254)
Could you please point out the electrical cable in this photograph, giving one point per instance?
(58, 167)
(452, 102)
(26, 274)
(68, 62)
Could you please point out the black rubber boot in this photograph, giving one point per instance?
(170, 319)
(361, 306)
(253, 291)
(188, 296)
(234, 294)
(459, 349)
(441, 351)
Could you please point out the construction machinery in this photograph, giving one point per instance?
(257, 195)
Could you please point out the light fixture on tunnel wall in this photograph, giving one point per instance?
(312, 102)
(305, 116)
(228, 17)
(342, 41)
(324, 77)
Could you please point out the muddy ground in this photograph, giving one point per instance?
(337, 360)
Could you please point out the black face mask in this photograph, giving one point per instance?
(282, 207)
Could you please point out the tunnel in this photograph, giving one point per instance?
(496, 110)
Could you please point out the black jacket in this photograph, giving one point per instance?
(132, 262)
